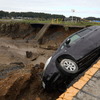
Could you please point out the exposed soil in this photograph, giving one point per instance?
(35, 90)
(16, 57)
(22, 60)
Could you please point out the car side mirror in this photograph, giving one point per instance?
(68, 41)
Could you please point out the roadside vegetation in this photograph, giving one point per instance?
(52, 21)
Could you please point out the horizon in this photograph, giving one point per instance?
(47, 13)
(81, 8)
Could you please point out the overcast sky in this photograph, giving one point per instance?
(83, 8)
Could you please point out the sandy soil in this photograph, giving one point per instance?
(15, 51)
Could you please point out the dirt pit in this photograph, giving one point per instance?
(22, 59)
(21, 66)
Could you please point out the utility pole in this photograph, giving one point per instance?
(72, 14)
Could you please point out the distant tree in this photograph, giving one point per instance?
(4, 14)
(92, 18)
(29, 14)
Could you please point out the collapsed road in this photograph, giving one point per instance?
(24, 50)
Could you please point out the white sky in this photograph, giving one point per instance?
(83, 8)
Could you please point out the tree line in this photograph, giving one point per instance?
(4, 14)
(92, 18)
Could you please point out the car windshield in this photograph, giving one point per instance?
(72, 38)
(76, 36)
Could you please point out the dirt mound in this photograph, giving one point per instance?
(25, 84)
(11, 86)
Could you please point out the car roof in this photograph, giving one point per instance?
(87, 30)
(94, 27)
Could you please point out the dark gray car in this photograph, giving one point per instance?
(74, 54)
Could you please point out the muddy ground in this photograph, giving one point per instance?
(22, 59)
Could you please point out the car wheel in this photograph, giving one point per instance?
(69, 66)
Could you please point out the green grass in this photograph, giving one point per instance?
(65, 23)
(83, 23)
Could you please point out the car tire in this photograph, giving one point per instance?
(69, 66)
